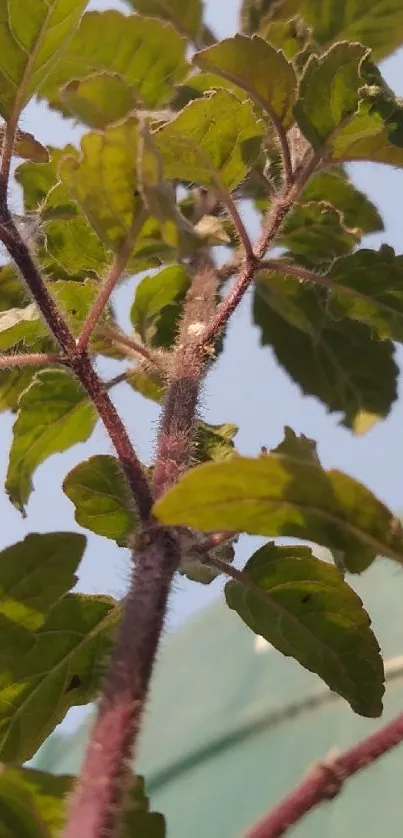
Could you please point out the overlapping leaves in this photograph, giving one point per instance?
(282, 494)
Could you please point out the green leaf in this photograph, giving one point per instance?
(252, 14)
(99, 100)
(337, 361)
(104, 181)
(367, 136)
(307, 611)
(147, 54)
(317, 231)
(259, 69)
(13, 382)
(138, 820)
(63, 669)
(27, 147)
(214, 442)
(377, 279)
(34, 574)
(283, 495)
(213, 141)
(41, 186)
(20, 325)
(186, 15)
(49, 793)
(54, 414)
(357, 210)
(148, 384)
(157, 305)
(73, 250)
(31, 41)
(19, 815)
(328, 92)
(12, 290)
(97, 488)
(375, 23)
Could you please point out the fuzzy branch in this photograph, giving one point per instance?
(35, 359)
(326, 781)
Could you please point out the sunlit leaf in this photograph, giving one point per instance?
(32, 38)
(99, 100)
(259, 69)
(282, 495)
(186, 15)
(41, 186)
(54, 414)
(20, 325)
(73, 250)
(49, 793)
(307, 611)
(149, 55)
(18, 812)
(213, 141)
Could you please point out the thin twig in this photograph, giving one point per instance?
(7, 155)
(118, 379)
(36, 359)
(119, 338)
(240, 227)
(212, 541)
(326, 781)
(115, 274)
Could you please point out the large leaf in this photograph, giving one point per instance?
(307, 611)
(375, 23)
(104, 181)
(147, 54)
(328, 92)
(213, 142)
(283, 495)
(34, 574)
(32, 37)
(157, 305)
(186, 15)
(63, 669)
(97, 488)
(49, 795)
(336, 360)
(54, 414)
(259, 69)
(99, 100)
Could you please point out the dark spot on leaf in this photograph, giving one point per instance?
(74, 683)
(306, 598)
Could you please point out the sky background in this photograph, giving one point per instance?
(246, 387)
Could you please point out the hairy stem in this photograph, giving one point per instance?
(35, 359)
(102, 790)
(326, 780)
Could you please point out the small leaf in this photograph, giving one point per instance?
(334, 186)
(99, 100)
(35, 694)
(27, 147)
(147, 54)
(186, 15)
(157, 305)
(147, 384)
(41, 186)
(49, 793)
(214, 442)
(308, 612)
(259, 69)
(104, 181)
(138, 820)
(282, 495)
(317, 232)
(328, 93)
(213, 142)
(73, 250)
(54, 414)
(335, 360)
(98, 490)
(30, 45)
(21, 325)
(367, 136)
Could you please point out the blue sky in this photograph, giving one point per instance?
(246, 387)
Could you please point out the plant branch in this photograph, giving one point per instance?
(240, 227)
(10, 130)
(118, 268)
(119, 338)
(99, 800)
(212, 541)
(326, 780)
(36, 359)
